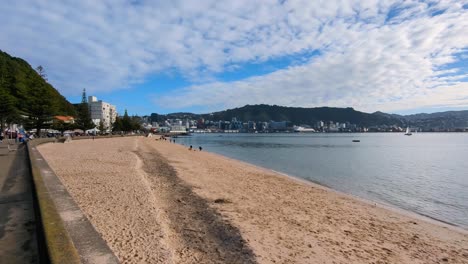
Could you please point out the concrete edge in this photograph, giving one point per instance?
(68, 234)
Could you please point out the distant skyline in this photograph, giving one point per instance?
(201, 56)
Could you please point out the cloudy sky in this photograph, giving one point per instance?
(201, 56)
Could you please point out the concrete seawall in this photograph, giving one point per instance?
(68, 236)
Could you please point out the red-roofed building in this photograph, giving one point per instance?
(65, 119)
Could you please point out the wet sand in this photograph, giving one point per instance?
(157, 202)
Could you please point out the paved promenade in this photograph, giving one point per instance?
(18, 242)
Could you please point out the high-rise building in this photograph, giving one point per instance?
(102, 111)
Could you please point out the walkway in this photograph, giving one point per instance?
(18, 241)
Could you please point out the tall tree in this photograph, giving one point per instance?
(83, 120)
(61, 126)
(136, 122)
(40, 70)
(101, 127)
(41, 106)
(117, 125)
(8, 111)
(126, 122)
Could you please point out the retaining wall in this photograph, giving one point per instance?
(67, 234)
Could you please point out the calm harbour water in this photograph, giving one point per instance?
(426, 173)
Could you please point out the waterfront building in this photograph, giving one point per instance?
(278, 126)
(235, 124)
(201, 123)
(251, 126)
(178, 129)
(102, 112)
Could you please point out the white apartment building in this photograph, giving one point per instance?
(102, 111)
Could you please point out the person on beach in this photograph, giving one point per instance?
(190, 147)
(200, 148)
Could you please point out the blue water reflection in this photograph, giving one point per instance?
(426, 173)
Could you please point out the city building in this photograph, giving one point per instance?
(279, 126)
(102, 111)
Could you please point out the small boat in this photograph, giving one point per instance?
(408, 132)
(356, 140)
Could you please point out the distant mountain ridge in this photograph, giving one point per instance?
(448, 119)
(299, 115)
(310, 116)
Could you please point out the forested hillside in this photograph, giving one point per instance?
(296, 115)
(26, 97)
(299, 115)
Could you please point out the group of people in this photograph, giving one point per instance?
(17, 137)
(199, 148)
(174, 141)
(165, 139)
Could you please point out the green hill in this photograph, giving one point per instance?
(299, 115)
(442, 121)
(26, 97)
(296, 115)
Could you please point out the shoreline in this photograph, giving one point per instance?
(381, 204)
(155, 201)
(387, 206)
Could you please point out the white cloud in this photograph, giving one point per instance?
(368, 60)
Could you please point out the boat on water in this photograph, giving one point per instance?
(408, 132)
(356, 140)
(299, 129)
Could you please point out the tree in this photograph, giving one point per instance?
(40, 70)
(26, 97)
(101, 127)
(117, 125)
(41, 107)
(84, 120)
(61, 126)
(8, 111)
(126, 122)
(136, 123)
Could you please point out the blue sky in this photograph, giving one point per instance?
(202, 56)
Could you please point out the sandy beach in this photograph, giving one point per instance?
(157, 202)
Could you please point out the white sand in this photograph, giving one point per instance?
(154, 201)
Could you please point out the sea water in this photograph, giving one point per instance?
(426, 173)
